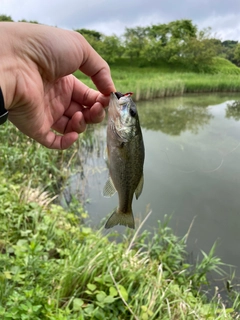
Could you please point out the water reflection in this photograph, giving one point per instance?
(233, 110)
(191, 170)
(173, 116)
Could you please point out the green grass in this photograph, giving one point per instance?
(24, 160)
(53, 267)
(166, 80)
(221, 65)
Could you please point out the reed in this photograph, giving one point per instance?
(150, 83)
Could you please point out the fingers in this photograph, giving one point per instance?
(70, 128)
(103, 81)
(95, 114)
(53, 141)
(95, 67)
(85, 96)
(82, 96)
(79, 120)
(75, 124)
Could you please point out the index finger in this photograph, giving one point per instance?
(95, 67)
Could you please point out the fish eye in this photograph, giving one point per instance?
(133, 111)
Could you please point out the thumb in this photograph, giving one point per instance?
(95, 67)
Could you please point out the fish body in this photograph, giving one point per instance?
(125, 153)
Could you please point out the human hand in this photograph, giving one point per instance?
(40, 92)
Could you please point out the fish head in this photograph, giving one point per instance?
(123, 115)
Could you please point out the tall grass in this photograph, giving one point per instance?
(27, 162)
(52, 267)
(148, 83)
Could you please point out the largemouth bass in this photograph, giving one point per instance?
(125, 151)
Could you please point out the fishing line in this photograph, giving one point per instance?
(204, 171)
(174, 165)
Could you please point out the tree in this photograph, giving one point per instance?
(93, 37)
(4, 17)
(90, 33)
(153, 51)
(30, 21)
(182, 30)
(111, 48)
(165, 41)
(227, 50)
(229, 43)
(157, 40)
(198, 54)
(135, 40)
(159, 33)
(237, 54)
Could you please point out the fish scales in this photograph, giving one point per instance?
(125, 157)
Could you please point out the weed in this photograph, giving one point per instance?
(53, 267)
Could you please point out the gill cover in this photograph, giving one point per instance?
(123, 115)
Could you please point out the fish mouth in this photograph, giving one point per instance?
(116, 107)
(113, 109)
(120, 95)
(114, 97)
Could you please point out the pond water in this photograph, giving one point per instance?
(192, 171)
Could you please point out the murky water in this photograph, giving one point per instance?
(192, 171)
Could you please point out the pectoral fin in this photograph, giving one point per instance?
(139, 188)
(109, 189)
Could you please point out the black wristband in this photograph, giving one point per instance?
(3, 111)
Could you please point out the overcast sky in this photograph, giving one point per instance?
(112, 16)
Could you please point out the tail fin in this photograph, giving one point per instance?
(118, 217)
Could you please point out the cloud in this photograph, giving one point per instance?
(110, 16)
(118, 27)
(223, 26)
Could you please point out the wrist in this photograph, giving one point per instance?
(8, 65)
(3, 111)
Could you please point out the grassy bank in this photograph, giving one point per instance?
(54, 267)
(165, 81)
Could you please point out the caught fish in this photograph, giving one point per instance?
(125, 157)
